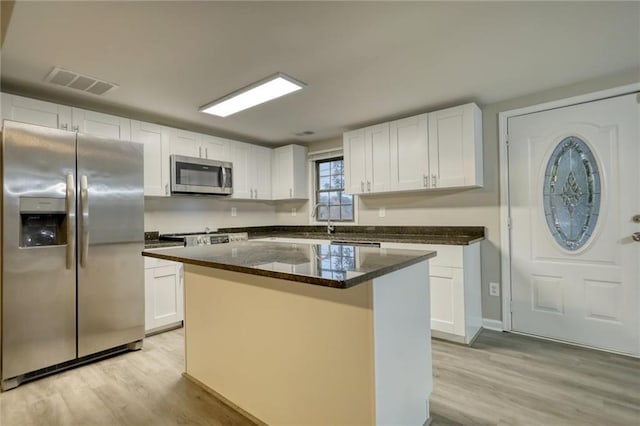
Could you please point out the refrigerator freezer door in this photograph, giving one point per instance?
(110, 242)
(38, 257)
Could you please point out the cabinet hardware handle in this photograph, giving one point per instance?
(166, 189)
(255, 191)
(434, 180)
(369, 186)
(84, 208)
(290, 193)
(71, 234)
(361, 186)
(64, 126)
(206, 152)
(76, 128)
(424, 181)
(636, 218)
(636, 236)
(251, 190)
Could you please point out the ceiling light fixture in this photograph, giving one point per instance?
(254, 94)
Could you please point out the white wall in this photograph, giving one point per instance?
(474, 207)
(193, 214)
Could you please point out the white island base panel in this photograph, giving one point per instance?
(290, 353)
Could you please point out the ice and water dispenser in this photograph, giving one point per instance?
(43, 222)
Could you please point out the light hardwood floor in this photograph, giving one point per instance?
(505, 379)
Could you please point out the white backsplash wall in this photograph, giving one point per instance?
(194, 214)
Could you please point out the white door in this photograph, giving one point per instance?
(574, 189)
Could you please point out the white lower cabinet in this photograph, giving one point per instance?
(164, 296)
(456, 306)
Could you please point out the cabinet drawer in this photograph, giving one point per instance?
(448, 255)
(152, 262)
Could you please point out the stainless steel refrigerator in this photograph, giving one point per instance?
(72, 232)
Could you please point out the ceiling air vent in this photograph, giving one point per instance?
(78, 81)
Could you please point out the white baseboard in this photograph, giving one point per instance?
(491, 324)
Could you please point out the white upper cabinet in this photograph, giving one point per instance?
(48, 114)
(215, 148)
(262, 167)
(289, 177)
(442, 149)
(155, 139)
(366, 155)
(33, 111)
(377, 158)
(242, 179)
(251, 171)
(185, 143)
(99, 124)
(455, 147)
(409, 152)
(355, 158)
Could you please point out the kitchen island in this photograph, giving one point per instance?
(306, 334)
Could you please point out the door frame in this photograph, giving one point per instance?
(505, 233)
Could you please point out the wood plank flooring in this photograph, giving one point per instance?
(505, 379)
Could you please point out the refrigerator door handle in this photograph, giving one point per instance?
(71, 237)
(84, 205)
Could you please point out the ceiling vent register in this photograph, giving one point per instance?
(74, 80)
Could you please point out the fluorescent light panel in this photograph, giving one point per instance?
(257, 93)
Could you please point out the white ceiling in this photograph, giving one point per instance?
(363, 62)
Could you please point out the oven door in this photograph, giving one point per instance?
(190, 175)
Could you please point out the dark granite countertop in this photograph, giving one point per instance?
(338, 266)
(449, 235)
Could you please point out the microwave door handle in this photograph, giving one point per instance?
(71, 222)
(224, 177)
(84, 205)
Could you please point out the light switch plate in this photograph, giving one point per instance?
(494, 289)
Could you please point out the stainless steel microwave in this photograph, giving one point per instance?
(191, 175)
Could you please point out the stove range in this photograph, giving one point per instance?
(191, 239)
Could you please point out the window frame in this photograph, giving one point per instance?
(314, 182)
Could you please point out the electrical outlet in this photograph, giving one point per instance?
(234, 212)
(382, 212)
(294, 211)
(494, 289)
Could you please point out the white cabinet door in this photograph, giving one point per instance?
(214, 148)
(377, 158)
(33, 111)
(447, 300)
(156, 156)
(242, 174)
(185, 143)
(454, 275)
(355, 160)
(261, 178)
(163, 296)
(290, 172)
(99, 124)
(409, 152)
(455, 147)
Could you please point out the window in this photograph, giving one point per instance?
(330, 196)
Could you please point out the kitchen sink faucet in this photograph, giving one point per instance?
(314, 213)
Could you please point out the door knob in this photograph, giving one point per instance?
(636, 236)
(636, 218)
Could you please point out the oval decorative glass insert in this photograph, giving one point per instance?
(571, 193)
